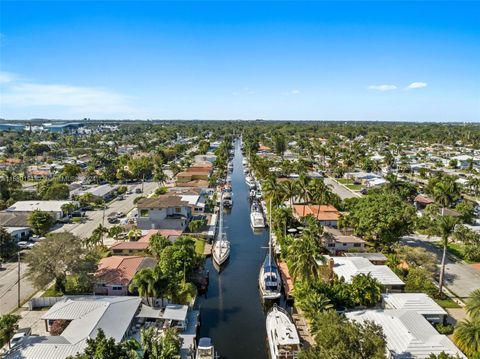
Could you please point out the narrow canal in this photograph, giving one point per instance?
(232, 312)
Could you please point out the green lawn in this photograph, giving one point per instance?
(344, 180)
(354, 187)
(199, 246)
(447, 303)
(457, 249)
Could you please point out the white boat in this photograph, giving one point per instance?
(258, 195)
(269, 279)
(256, 216)
(230, 166)
(221, 246)
(227, 199)
(250, 182)
(244, 162)
(283, 339)
(205, 349)
(252, 193)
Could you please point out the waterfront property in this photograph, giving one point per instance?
(417, 302)
(166, 211)
(84, 316)
(125, 248)
(327, 215)
(408, 334)
(349, 267)
(115, 273)
(338, 242)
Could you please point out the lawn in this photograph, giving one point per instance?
(344, 180)
(199, 246)
(447, 303)
(456, 249)
(354, 187)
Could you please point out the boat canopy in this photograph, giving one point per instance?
(205, 343)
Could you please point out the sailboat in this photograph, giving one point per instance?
(269, 279)
(221, 246)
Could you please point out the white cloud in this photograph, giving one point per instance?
(21, 95)
(295, 92)
(383, 87)
(416, 85)
(6, 77)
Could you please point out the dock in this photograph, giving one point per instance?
(286, 279)
(303, 329)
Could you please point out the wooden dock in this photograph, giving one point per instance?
(207, 250)
(302, 328)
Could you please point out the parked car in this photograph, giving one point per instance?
(37, 238)
(25, 245)
(19, 336)
(129, 192)
(120, 197)
(120, 214)
(138, 190)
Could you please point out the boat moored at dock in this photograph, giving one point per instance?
(283, 339)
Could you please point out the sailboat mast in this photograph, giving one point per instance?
(270, 235)
(220, 227)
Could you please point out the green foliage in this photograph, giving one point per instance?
(52, 190)
(156, 346)
(102, 347)
(303, 254)
(443, 355)
(381, 218)
(310, 300)
(59, 255)
(157, 244)
(161, 190)
(365, 290)
(41, 222)
(467, 336)
(467, 210)
(337, 337)
(7, 245)
(419, 280)
(446, 329)
(473, 304)
(8, 326)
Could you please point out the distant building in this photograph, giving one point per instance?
(337, 242)
(61, 127)
(52, 207)
(11, 127)
(102, 192)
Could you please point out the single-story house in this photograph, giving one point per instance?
(422, 201)
(166, 211)
(85, 316)
(349, 267)
(327, 215)
(125, 248)
(52, 207)
(103, 192)
(408, 334)
(16, 224)
(417, 302)
(337, 242)
(374, 258)
(115, 273)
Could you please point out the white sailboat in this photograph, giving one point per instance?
(269, 279)
(283, 339)
(221, 246)
(250, 182)
(205, 349)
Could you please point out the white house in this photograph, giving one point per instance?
(164, 212)
(408, 334)
(349, 267)
(52, 207)
(85, 316)
(417, 302)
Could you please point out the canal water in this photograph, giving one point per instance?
(231, 311)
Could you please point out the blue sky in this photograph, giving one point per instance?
(380, 60)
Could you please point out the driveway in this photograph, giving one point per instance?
(460, 278)
(342, 191)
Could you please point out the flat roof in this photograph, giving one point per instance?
(30, 206)
(418, 302)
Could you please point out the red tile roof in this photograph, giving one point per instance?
(121, 269)
(327, 212)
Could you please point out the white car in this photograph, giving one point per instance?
(19, 336)
(26, 245)
(37, 238)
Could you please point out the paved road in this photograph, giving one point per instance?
(94, 218)
(340, 190)
(460, 277)
(8, 287)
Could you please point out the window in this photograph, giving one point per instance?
(178, 210)
(144, 213)
(344, 244)
(331, 244)
(357, 244)
(117, 287)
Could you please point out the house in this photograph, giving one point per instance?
(204, 158)
(327, 215)
(374, 258)
(115, 273)
(16, 224)
(349, 267)
(422, 201)
(464, 161)
(103, 192)
(166, 211)
(337, 242)
(417, 302)
(408, 334)
(125, 248)
(52, 207)
(85, 316)
(374, 182)
(264, 149)
(195, 174)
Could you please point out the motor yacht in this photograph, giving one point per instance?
(283, 338)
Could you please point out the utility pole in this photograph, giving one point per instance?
(143, 180)
(18, 281)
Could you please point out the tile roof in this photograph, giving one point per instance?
(121, 269)
(163, 201)
(327, 212)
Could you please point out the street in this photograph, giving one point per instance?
(460, 278)
(340, 190)
(8, 275)
(94, 218)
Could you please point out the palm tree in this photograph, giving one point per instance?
(134, 234)
(443, 226)
(473, 304)
(445, 193)
(474, 185)
(8, 326)
(303, 187)
(366, 290)
(467, 336)
(303, 255)
(313, 303)
(143, 282)
(290, 189)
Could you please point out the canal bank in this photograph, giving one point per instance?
(231, 311)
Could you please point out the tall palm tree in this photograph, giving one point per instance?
(445, 193)
(303, 255)
(474, 185)
(273, 190)
(290, 189)
(473, 304)
(467, 336)
(303, 186)
(143, 282)
(443, 226)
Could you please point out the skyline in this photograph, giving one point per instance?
(364, 61)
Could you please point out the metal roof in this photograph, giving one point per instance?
(408, 334)
(175, 312)
(418, 302)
